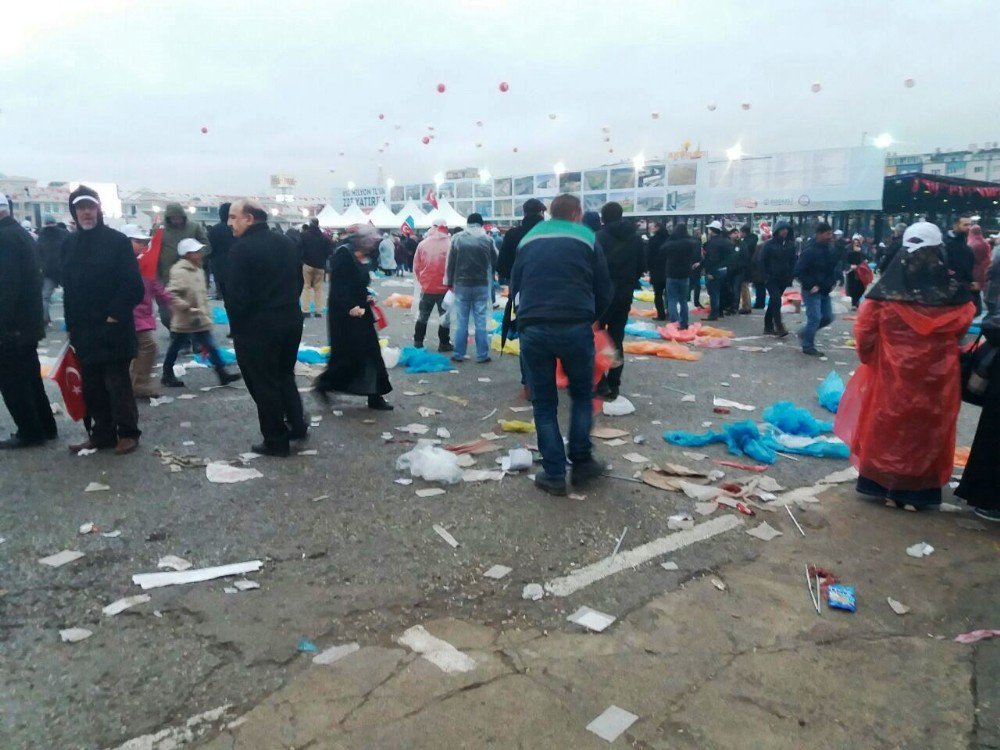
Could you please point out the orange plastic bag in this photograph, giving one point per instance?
(399, 300)
(635, 312)
(663, 349)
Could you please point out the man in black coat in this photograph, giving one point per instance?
(262, 299)
(777, 263)
(656, 262)
(102, 286)
(622, 248)
(718, 254)
(534, 213)
(50, 241)
(220, 238)
(315, 249)
(21, 328)
(961, 260)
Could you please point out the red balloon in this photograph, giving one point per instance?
(440, 88)
(909, 83)
(381, 116)
(425, 140)
(204, 129)
(504, 86)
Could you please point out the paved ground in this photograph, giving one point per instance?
(749, 666)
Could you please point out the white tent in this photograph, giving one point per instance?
(383, 218)
(353, 215)
(444, 213)
(412, 210)
(328, 217)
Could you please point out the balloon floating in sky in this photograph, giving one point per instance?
(203, 130)
(815, 88)
(479, 123)
(607, 138)
(745, 106)
(425, 140)
(655, 115)
(504, 86)
(515, 149)
(611, 150)
(553, 116)
(341, 153)
(397, 126)
(381, 117)
(479, 145)
(605, 129)
(440, 88)
(430, 127)
(909, 83)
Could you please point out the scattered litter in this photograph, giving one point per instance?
(699, 492)
(430, 492)
(465, 460)
(386, 436)
(847, 475)
(669, 565)
(516, 425)
(425, 412)
(726, 403)
(306, 646)
(618, 408)
(245, 585)
(481, 475)
(88, 528)
(87, 452)
(156, 580)
(842, 597)
(591, 619)
(483, 380)
(483, 445)
(742, 467)
(517, 459)
(186, 397)
(618, 544)
(414, 428)
(680, 522)
(765, 532)
(974, 636)
(74, 635)
(335, 653)
(320, 497)
(440, 653)
(718, 584)
(706, 509)
(223, 473)
(608, 433)
(490, 436)
(576, 496)
(126, 603)
(176, 461)
(160, 401)
(830, 391)
(111, 534)
(615, 443)
(61, 558)
(920, 549)
(431, 463)
(443, 533)
(518, 409)
(795, 420)
(533, 592)
(610, 724)
(695, 456)
(497, 572)
(443, 433)
(898, 607)
(403, 481)
(635, 458)
(639, 440)
(96, 487)
(688, 398)
(794, 520)
(310, 452)
(187, 443)
(415, 393)
(248, 456)
(172, 562)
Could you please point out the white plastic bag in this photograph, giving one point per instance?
(518, 459)
(618, 408)
(429, 462)
(449, 298)
(390, 355)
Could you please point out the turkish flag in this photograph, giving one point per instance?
(431, 197)
(150, 259)
(67, 376)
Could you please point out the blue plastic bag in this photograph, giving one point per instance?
(228, 357)
(795, 420)
(830, 391)
(815, 447)
(219, 316)
(741, 439)
(636, 329)
(312, 356)
(420, 360)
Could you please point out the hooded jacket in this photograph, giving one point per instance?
(49, 244)
(622, 248)
(387, 254)
(21, 322)
(173, 235)
(430, 262)
(680, 252)
(315, 247)
(960, 258)
(220, 239)
(718, 254)
(100, 281)
(265, 282)
(472, 257)
(777, 256)
(145, 319)
(508, 249)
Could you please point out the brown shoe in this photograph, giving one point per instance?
(126, 445)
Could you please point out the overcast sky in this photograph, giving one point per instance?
(119, 91)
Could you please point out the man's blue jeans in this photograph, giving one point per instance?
(471, 300)
(573, 344)
(48, 287)
(715, 291)
(677, 300)
(819, 314)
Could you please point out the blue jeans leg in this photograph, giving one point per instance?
(715, 293)
(577, 356)
(677, 300)
(539, 360)
(480, 302)
(819, 314)
(463, 307)
(48, 286)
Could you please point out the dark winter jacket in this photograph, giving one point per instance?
(20, 287)
(894, 246)
(316, 249)
(265, 282)
(173, 235)
(50, 242)
(220, 237)
(656, 258)
(470, 262)
(743, 255)
(961, 259)
(817, 267)
(777, 257)
(680, 252)
(100, 281)
(718, 254)
(508, 250)
(622, 248)
(560, 275)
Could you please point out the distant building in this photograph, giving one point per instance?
(973, 163)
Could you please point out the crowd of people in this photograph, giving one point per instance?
(569, 275)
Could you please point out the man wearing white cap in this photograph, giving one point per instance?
(102, 286)
(21, 328)
(718, 254)
(190, 321)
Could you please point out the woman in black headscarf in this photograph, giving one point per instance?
(355, 365)
(980, 484)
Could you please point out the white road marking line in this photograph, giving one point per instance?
(440, 653)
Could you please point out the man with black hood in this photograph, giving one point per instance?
(961, 259)
(718, 255)
(622, 248)
(777, 262)
(534, 213)
(50, 240)
(21, 328)
(177, 227)
(220, 239)
(682, 257)
(656, 262)
(102, 286)
(894, 245)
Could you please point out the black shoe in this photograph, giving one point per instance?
(485, 360)
(379, 404)
(712, 317)
(603, 390)
(744, 312)
(769, 331)
(660, 318)
(298, 436)
(264, 449)
(15, 442)
(225, 378)
(172, 382)
(317, 315)
(585, 471)
(551, 485)
(418, 344)
(813, 352)
(781, 332)
(445, 346)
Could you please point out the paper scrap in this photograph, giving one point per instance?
(521, 408)
(96, 487)
(497, 572)
(162, 400)
(111, 534)
(636, 458)
(245, 585)
(481, 475)
(727, 404)
(426, 411)
(405, 481)
(415, 428)
(335, 653)
(122, 604)
(764, 532)
(706, 509)
(88, 528)
(608, 433)
(430, 492)
(172, 562)
(846, 475)
(87, 452)
(680, 522)
(696, 456)
(610, 725)
(699, 492)
(532, 592)
(248, 456)
(688, 398)
(443, 433)
(310, 452)
(156, 580)
(591, 619)
(188, 443)
(440, 653)
(186, 397)
(718, 584)
(898, 607)
(443, 533)
(483, 380)
(74, 635)
(920, 549)
(61, 558)
(669, 565)
(615, 443)
(222, 473)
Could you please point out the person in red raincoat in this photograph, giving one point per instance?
(899, 411)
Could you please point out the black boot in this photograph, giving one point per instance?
(444, 339)
(379, 404)
(419, 331)
(225, 378)
(171, 382)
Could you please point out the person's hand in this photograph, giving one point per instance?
(356, 312)
(371, 298)
(815, 290)
(110, 320)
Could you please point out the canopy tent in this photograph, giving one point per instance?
(932, 193)
(412, 210)
(383, 218)
(444, 213)
(353, 215)
(328, 217)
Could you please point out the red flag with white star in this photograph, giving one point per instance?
(66, 374)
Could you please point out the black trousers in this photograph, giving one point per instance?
(772, 318)
(696, 289)
(760, 296)
(107, 392)
(24, 393)
(614, 322)
(659, 286)
(267, 361)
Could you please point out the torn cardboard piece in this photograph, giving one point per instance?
(156, 580)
